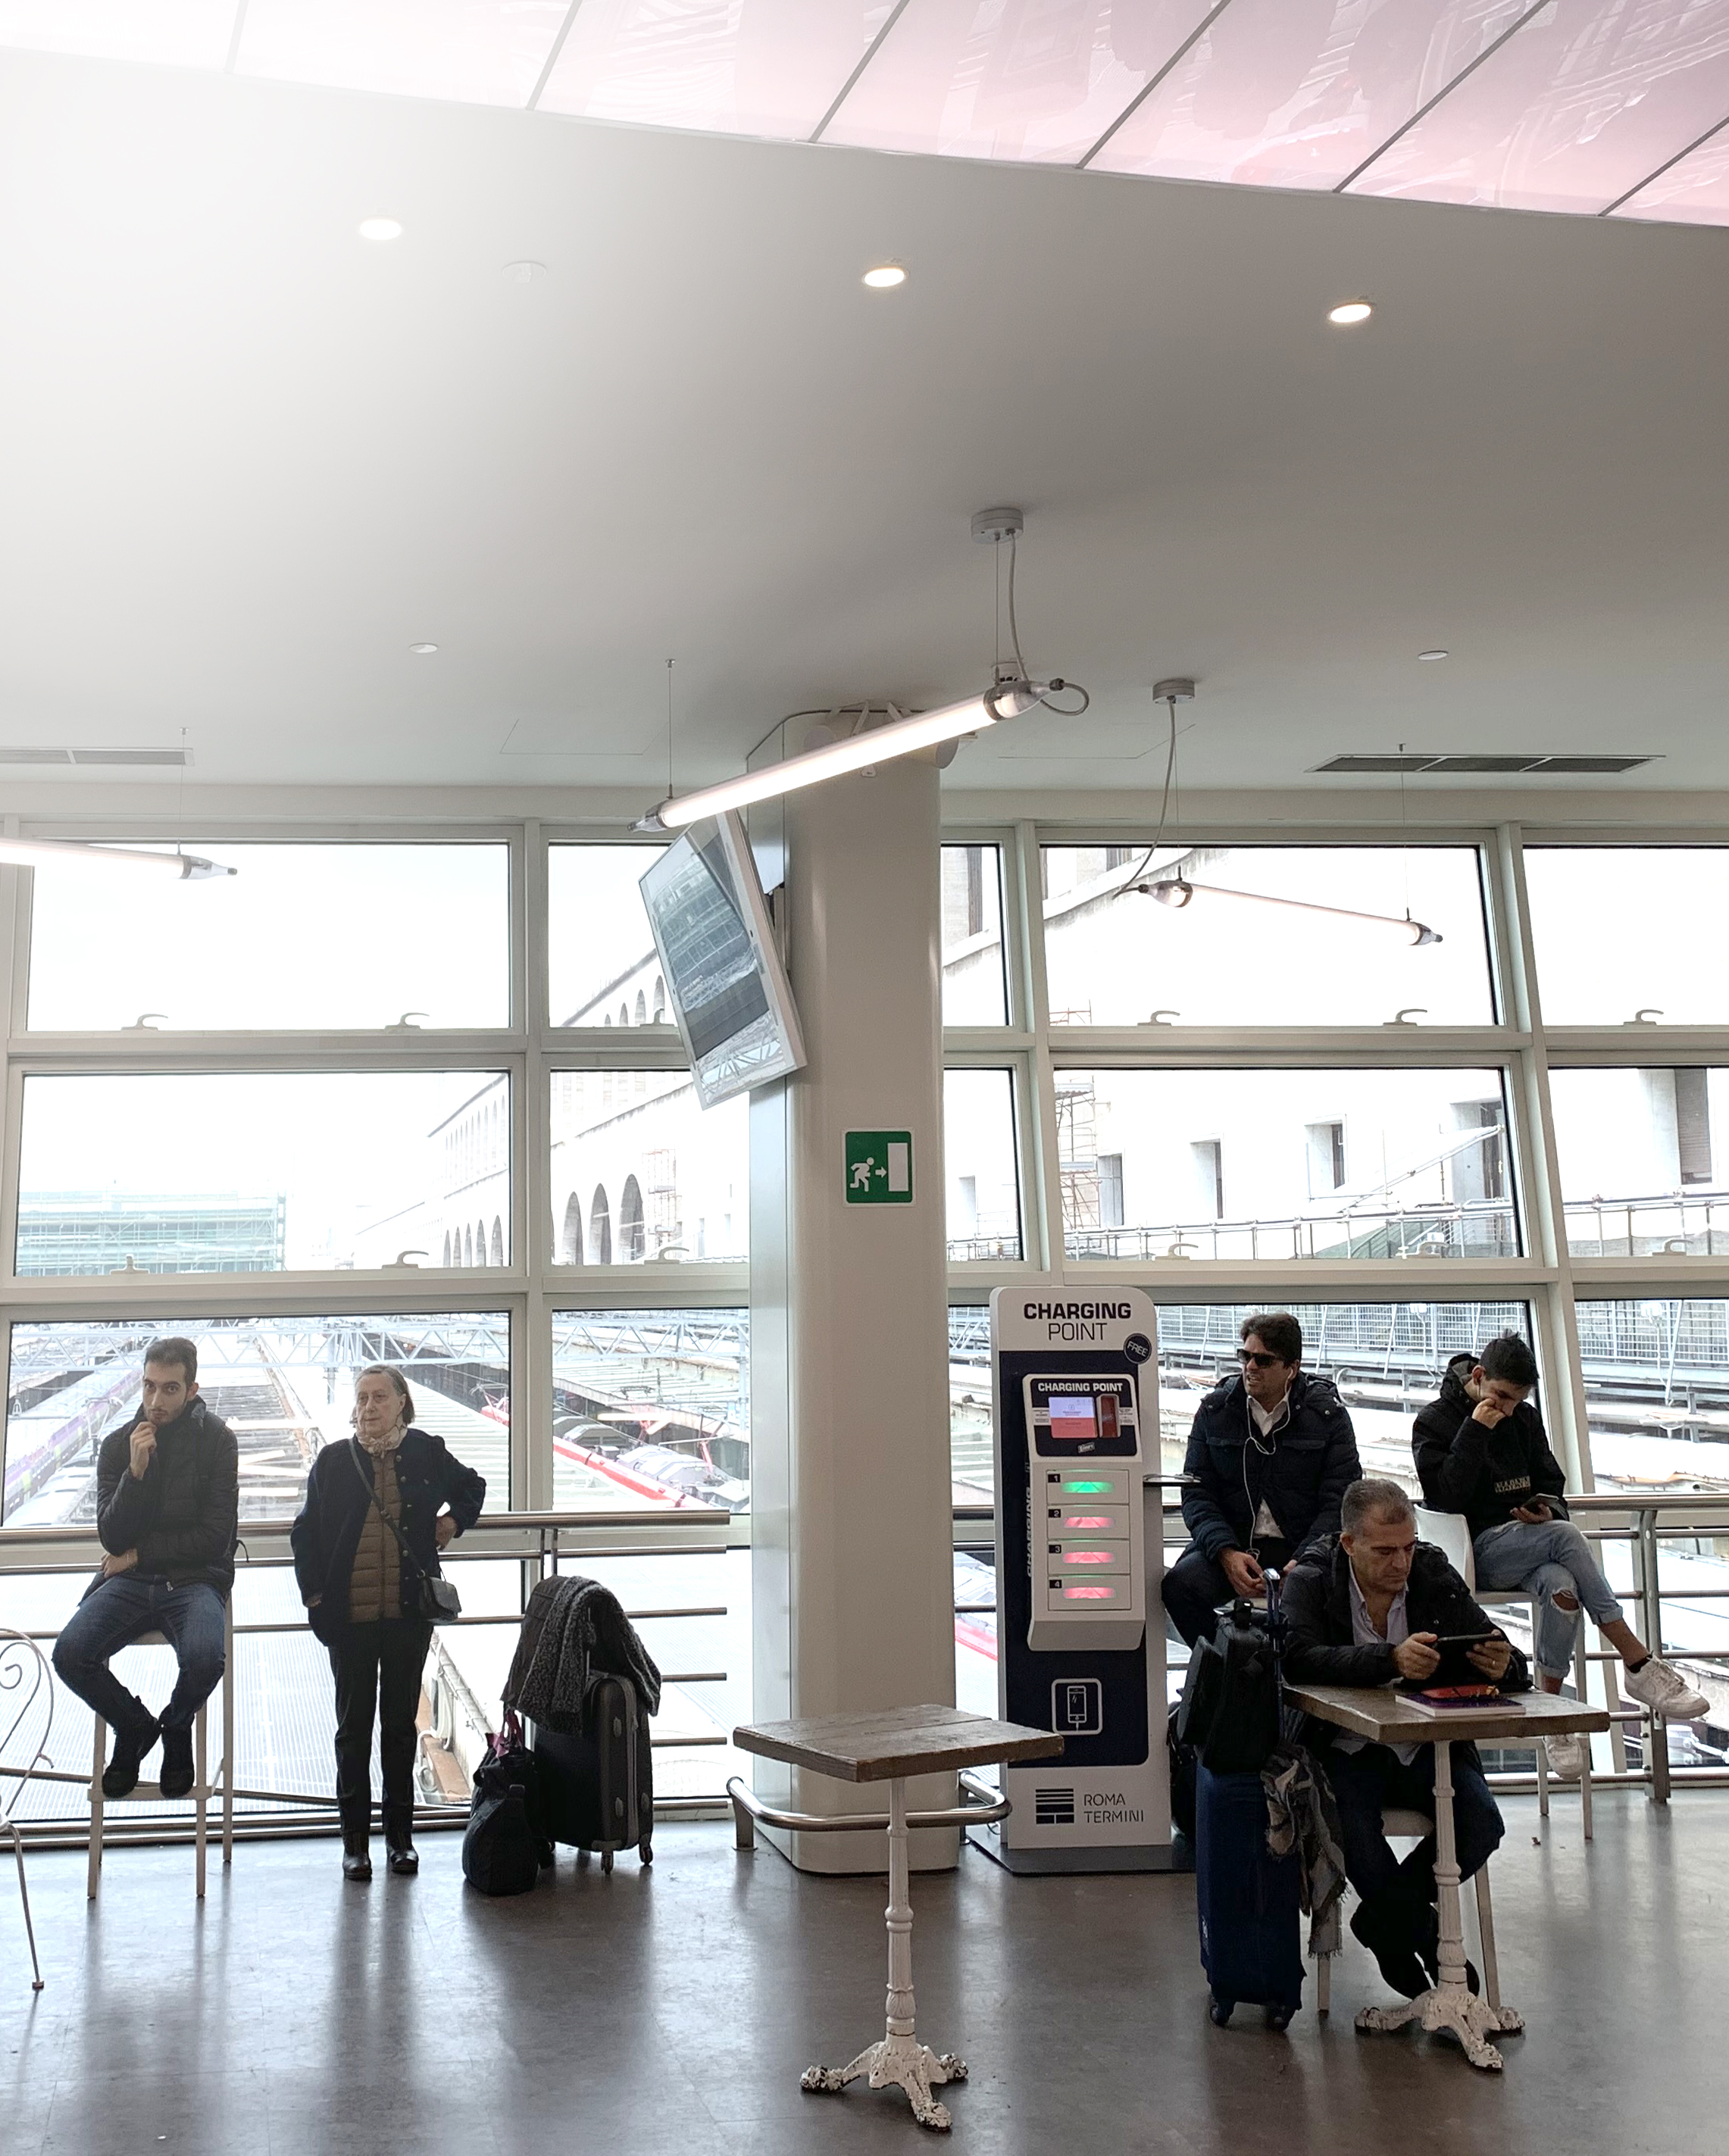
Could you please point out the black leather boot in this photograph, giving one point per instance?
(356, 1858)
(404, 1858)
(176, 1775)
(119, 1778)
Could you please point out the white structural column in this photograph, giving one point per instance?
(852, 1563)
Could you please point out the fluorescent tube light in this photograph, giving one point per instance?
(1176, 892)
(60, 852)
(857, 752)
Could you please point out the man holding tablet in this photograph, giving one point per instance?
(1373, 1605)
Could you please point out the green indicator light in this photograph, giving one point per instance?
(1086, 1489)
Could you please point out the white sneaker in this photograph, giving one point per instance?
(1566, 1757)
(1662, 1688)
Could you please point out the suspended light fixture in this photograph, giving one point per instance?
(1178, 892)
(1012, 693)
(61, 853)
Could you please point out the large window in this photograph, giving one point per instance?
(1264, 935)
(273, 948)
(601, 966)
(640, 1170)
(250, 1171)
(1644, 1159)
(285, 1386)
(651, 1411)
(1626, 932)
(1210, 1163)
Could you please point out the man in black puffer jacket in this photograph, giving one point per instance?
(167, 1505)
(1271, 1452)
(1366, 1607)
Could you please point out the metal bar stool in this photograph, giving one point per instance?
(23, 1671)
(203, 1787)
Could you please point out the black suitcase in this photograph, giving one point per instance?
(597, 1790)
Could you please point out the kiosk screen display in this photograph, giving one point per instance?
(1076, 1416)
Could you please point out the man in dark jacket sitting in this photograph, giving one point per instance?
(167, 1504)
(1366, 1608)
(1481, 1450)
(1271, 1452)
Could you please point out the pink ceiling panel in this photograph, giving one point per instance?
(1589, 97)
(1024, 80)
(737, 67)
(1297, 92)
(476, 51)
(1694, 191)
(175, 32)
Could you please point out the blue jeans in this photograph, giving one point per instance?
(1550, 1559)
(112, 1614)
(1400, 1895)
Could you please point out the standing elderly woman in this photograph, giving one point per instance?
(395, 1488)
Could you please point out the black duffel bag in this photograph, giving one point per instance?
(506, 1844)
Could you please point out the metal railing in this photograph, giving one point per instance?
(541, 1542)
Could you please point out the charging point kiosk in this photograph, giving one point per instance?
(1080, 1636)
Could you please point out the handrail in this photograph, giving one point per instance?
(749, 1812)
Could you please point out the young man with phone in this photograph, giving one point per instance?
(167, 1506)
(1373, 1605)
(1270, 1453)
(1481, 1450)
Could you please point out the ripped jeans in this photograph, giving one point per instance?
(1550, 1559)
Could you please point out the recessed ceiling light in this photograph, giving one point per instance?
(379, 228)
(525, 273)
(885, 276)
(1348, 312)
(422, 650)
(1431, 654)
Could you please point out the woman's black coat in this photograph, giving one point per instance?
(326, 1531)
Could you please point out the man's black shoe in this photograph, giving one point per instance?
(176, 1775)
(404, 1859)
(357, 1863)
(1390, 1944)
(120, 1776)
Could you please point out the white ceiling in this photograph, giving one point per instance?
(246, 459)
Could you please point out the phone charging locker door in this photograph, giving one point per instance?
(1080, 1642)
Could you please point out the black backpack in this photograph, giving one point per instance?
(1229, 1708)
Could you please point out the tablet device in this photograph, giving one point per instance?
(1456, 1666)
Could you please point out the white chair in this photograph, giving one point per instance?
(1399, 1825)
(202, 1790)
(23, 1664)
(1450, 1534)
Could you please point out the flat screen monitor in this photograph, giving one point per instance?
(729, 991)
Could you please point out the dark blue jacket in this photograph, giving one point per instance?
(326, 1532)
(1307, 1466)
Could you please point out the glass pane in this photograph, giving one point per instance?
(640, 1170)
(1284, 1164)
(1641, 1168)
(1616, 931)
(979, 1157)
(974, 991)
(602, 965)
(1267, 936)
(973, 1470)
(303, 937)
(284, 1385)
(264, 1172)
(1657, 1393)
(651, 1410)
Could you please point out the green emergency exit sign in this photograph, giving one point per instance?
(878, 1167)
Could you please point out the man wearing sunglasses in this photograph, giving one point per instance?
(1271, 1454)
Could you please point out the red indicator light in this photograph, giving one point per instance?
(1089, 1593)
(1087, 1557)
(1087, 1522)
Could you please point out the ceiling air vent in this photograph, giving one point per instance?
(1533, 765)
(109, 756)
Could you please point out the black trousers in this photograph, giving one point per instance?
(377, 1667)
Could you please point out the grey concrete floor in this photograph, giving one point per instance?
(673, 2010)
